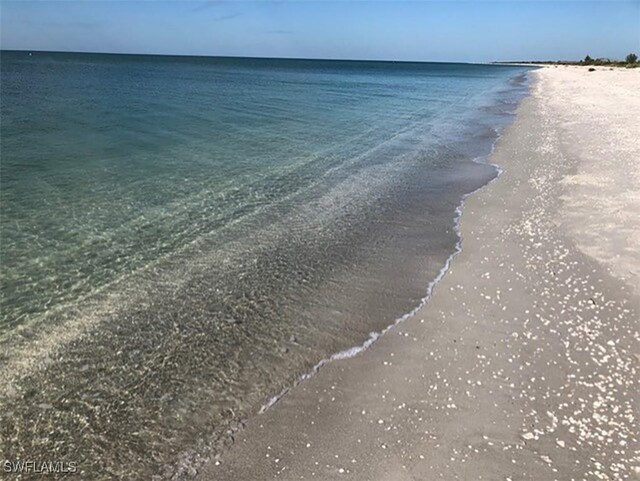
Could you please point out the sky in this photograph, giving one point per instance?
(451, 30)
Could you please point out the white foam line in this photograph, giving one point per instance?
(374, 336)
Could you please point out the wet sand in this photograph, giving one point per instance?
(524, 364)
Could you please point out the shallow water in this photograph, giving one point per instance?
(183, 237)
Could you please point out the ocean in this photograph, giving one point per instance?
(185, 238)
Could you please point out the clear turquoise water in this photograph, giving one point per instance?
(184, 237)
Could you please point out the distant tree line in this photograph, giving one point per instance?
(630, 61)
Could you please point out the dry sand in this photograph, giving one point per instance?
(524, 364)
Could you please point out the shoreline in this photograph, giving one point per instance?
(374, 336)
(192, 461)
(283, 428)
(457, 248)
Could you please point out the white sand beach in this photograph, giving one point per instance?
(525, 363)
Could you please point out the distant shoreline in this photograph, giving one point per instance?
(572, 63)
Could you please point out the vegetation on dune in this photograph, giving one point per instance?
(631, 61)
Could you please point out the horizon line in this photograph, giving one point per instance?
(491, 62)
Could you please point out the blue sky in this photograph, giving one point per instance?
(395, 30)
